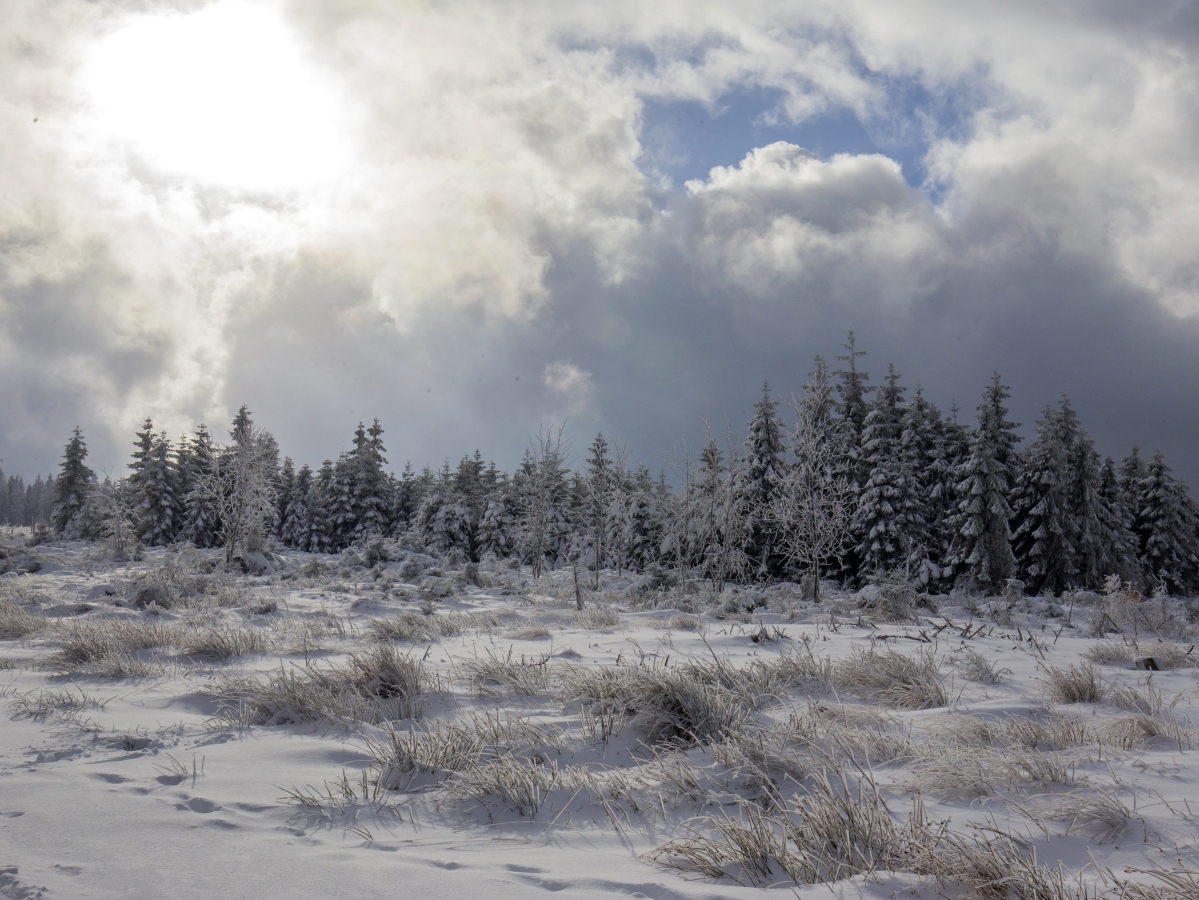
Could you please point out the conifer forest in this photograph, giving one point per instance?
(856, 481)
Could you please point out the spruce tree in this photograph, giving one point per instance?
(641, 526)
(372, 504)
(406, 498)
(981, 552)
(1100, 529)
(151, 481)
(852, 391)
(73, 488)
(200, 524)
(889, 518)
(341, 504)
(922, 446)
(296, 519)
(321, 529)
(496, 532)
(1167, 524)
(1124, 540)
(597, 498)
(284, 497)
(1041, 522)
(763, 471)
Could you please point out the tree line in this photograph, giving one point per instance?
(26, 504)
(865, 482)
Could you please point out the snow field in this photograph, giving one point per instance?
(174, 730)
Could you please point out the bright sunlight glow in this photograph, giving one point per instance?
(224, 96)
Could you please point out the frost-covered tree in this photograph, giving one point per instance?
(296, 519)
(1167, 525)
(73, 487)
(371, 498)
(406, 499)
(724, 516)
(888, 522)
(759, 477)
(200, 524)
(284, 494)
(116, 504)
(1100, 528)
(854, 407)
(1124, 544)
(924, 447)
(642, 534)
(543, 497)
(596, 490)
(321, 536)
(151, 481)
(497, 529)
(343, 517)
(242, 481)
(1041, 515)
(982, 553)
(813, 507)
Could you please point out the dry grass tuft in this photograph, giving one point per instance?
(684, 622)
(534, 632)
(597, 618)
(893, 679)
(1077, 684)
(15, 622)
(1098, 811)
(107, 646)
(1167, 654)
(963, 771)
(402, 756)
(55, 701)
(419, 628)
(497, 676)
(221, 643)
(381, 685)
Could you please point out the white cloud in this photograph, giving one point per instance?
(784, 216)
(570, 385)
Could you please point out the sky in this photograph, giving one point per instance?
(474, 220)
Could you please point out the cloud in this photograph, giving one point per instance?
(570, 384)
(499, 249)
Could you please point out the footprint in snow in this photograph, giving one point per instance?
(198, 805)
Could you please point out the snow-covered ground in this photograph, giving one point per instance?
(404, 728)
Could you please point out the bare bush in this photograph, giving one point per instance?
(973, 666)
(1152, 617)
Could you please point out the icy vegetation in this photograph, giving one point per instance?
(340, 724)
(870, 651)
